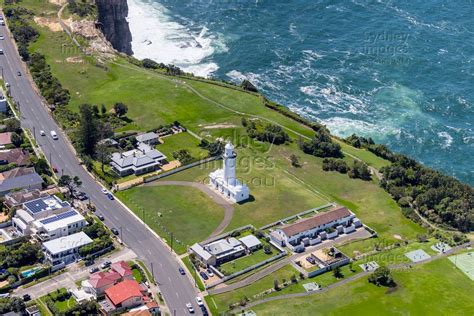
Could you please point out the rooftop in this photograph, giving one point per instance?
(61, 220)
(142, 156)
(146, 137)
(47, 203)
(122, 268)
(16, 155)
(250, 241)
(315, 221)
(223, 246)
(5, 138)
(123, 291)
(101, 279)
(62, 244)
(19, 178)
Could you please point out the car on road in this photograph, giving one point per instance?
(54, 135)
(105, 264)
(105, 191)
(19, 74)
(210, 273)
(204, 275)
(55, 169)
(88, 263)
(94, 270)
(26, 297)
(1, 51)
(181, 270)
(190, 308)
(199, 301)
(101, 217)
(42, 133)
(114, 231)
(110, 196)
(2, 37)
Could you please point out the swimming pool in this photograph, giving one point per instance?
(30, 272)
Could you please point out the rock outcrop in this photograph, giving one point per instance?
(113, 23)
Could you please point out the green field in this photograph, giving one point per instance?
(191, 218)
(435, 288)
(239, 264)
(181, 141)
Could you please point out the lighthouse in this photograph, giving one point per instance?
(224, 180)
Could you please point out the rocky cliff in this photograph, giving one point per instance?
(113, 23)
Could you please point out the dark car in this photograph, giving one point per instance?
(181, 270)
(26, 297)
(101, 217)
(89, 263)
(204, 275)
(114, 231)
(110, 196)
(310, 260)
(19, 74)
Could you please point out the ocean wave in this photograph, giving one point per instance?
(447, 139)
(158, 36)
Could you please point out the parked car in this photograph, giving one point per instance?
(209, 272)
(181, 270)
(26, 297)
(54, 135)
(88, 263)
(94, 270)
(110, 196)
(204, 275)
(19, 73)
(2, 37)
(101, 217)
(199, 301)
(105, 264)
(1, 51)
(310, 260)
(55, 170)
(114, 231)
(190, 308)
(105, 191)
(42, 133)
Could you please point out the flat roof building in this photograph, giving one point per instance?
(64, 250)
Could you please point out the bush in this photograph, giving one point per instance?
(333, 164)
(321, 146)
(269, 133)
(360, 170)
(382, 277)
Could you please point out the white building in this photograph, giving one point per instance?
(224, 180)
(59, 225)
(314, 227)
(138, 161)
(64, 250)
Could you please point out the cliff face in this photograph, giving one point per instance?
(113, 23)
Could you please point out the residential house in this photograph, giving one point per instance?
(59, 225)
(61, 251)
(99, 282)
(18, 156)
(148, 138)
(15, 200)
(251, 243)
(126, 294)
(219, 251)
(138, 161)
(19, 178)
(5, 138)
(149, 309)
(313, 227)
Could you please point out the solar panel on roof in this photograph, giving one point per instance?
(36, 206)
(58, 217)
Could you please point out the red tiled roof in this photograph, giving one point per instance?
(5, 138)
(122, 268)
(315, 221)
(101, 279)
(123, 291)
(152, 304)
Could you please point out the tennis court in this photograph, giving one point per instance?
(465, 262)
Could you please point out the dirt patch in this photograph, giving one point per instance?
(57, 2)
(217, 126)
(4, 283)
(398, 237)
(75, 60)
(52, 24)
(3, 217)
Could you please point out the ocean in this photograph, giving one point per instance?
(401, 72)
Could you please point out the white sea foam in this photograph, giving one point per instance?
(344, 127)
(447, 139)
(159, 37)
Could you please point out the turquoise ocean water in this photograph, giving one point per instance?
(401, 72)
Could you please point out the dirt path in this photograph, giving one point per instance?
(226, 205)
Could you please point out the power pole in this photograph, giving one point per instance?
(34, 132)
(152, 272)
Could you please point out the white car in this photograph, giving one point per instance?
(105, 191)
(190, 308)
(199, 301)
(54, 135)
(2, 37)
(42, 133)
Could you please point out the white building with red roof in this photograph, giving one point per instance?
(126, 294)
(101, 281)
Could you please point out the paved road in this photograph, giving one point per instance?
(217, 198)
(177, 289)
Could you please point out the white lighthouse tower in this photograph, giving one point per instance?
(225, 181)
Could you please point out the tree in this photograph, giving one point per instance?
(276, 286)
(360, 170)
(337, 273)
(183, 156)
(71, 183)
(42, 167)
(382, 276)
(295, 161)
(88, 130)
(17, 140)
(13, 125)
(148, 63)
(103, 109)
(120, 109)
(103, 155)
(322, 146)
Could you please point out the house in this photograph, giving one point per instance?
(14, 200)
(35, 210)
(19, 178)
(250, 242)
(126, 294)
(313, 226)
(3, 104)
(99, 282)
(148, 138)
(219, 251)
(64, 250)
(224, 180)
(59, 225)
(149, 309)
(5, 138)
(138, 161)
(18, 156)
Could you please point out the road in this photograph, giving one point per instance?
(177, 290)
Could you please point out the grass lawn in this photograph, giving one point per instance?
(137, 275)
(435, 288)
(182, 141)
(65, 305)
(191, 218)
(244, 262)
